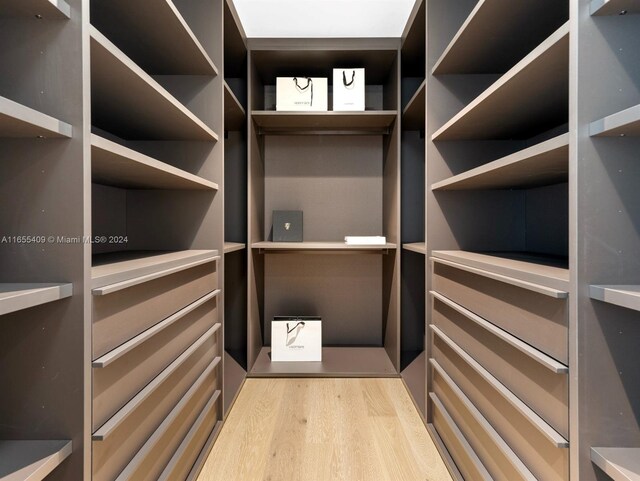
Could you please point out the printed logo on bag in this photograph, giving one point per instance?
(287, 225)
(293, 334)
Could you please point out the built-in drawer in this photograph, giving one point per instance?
(117, 441)
(467, 461)
(494, 453)
(538, 319)
(120, 374)
(158, 451)
(539, 380)
(121, 315)
(542, 449)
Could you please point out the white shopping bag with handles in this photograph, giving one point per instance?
(296, 339)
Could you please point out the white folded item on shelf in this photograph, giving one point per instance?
(365, 240)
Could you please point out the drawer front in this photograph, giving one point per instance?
(121, 315)
(495, 455)
(154, 456)
(545, 391)
(112, 454)
(537, 319)
(114, 385)
(544, 459)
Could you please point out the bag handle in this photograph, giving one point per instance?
(302, 89)
(344, 78)
(289, 331)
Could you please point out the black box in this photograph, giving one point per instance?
(287, 226)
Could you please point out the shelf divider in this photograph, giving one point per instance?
(369, 122)
(15, 297)
(543, 164)
(620, 464)
(31, 460)
(320, 246)
(230, 247)
(413, 115)
(234, 113)
(20, 121)
(419, 247)
(625, 296)
(48, 9)
(621, 124)
(614, 7)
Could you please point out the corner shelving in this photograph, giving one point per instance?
(499, 26)
(129, 103)
(234, 114)
(373, 122)
(15, 297)
(336, 362)
(230, 247)
(47, 9)
(620, 464)
(624, 296)
(31, 460)
(18, 121)
(621, 124)
(543, 164)
(418, 247)
(613, 7)
(320, 246)
(505, 111)
(144, 23)
(413, 115)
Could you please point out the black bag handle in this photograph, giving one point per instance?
(344, 78)
(289, 331)
(309, 84)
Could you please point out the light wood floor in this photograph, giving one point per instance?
(324, 429)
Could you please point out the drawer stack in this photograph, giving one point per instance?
(157, 348)
(500, 386)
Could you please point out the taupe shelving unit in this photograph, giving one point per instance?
(498, 176)
(413, 235)
(235, 207)
(342, 169)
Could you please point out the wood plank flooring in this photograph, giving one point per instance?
(324, 430)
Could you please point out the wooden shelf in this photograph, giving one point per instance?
(230, 247)
(234, 114)
(543, 164)
(336, 362)
(620, 124)
(119, 166)
(127, 102)
(419, 247)
(413, 116)
(31, 460)
(624, 296)
(47, 9)
(118, 270)
(620, 464)
(319, 246)
(534, 272)
(19, 121)
(153, 34)
(499, 26)
(529, 99)
(15, 297)
(376, 122)
(613, 7)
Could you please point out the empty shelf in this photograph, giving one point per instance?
(116, 165)
(621, 464)
(118, 270)
(620, 124)
(15, 297)
(336, 362)
(47, 9)
(413, 116)
(371, 121)
(499, 26)
(625, 296)
(31, 460)
(614, 7)
(127, 102)
(319, 246)
(546, 271)
(154, 35)
(419, 247)
(234, 114)
(543, 164)
(529, 99)
(18, 121)
(233, 247)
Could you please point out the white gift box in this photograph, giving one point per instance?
(348, 89)
(301, 94)
(296, 339)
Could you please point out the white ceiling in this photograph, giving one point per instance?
(323, 18)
